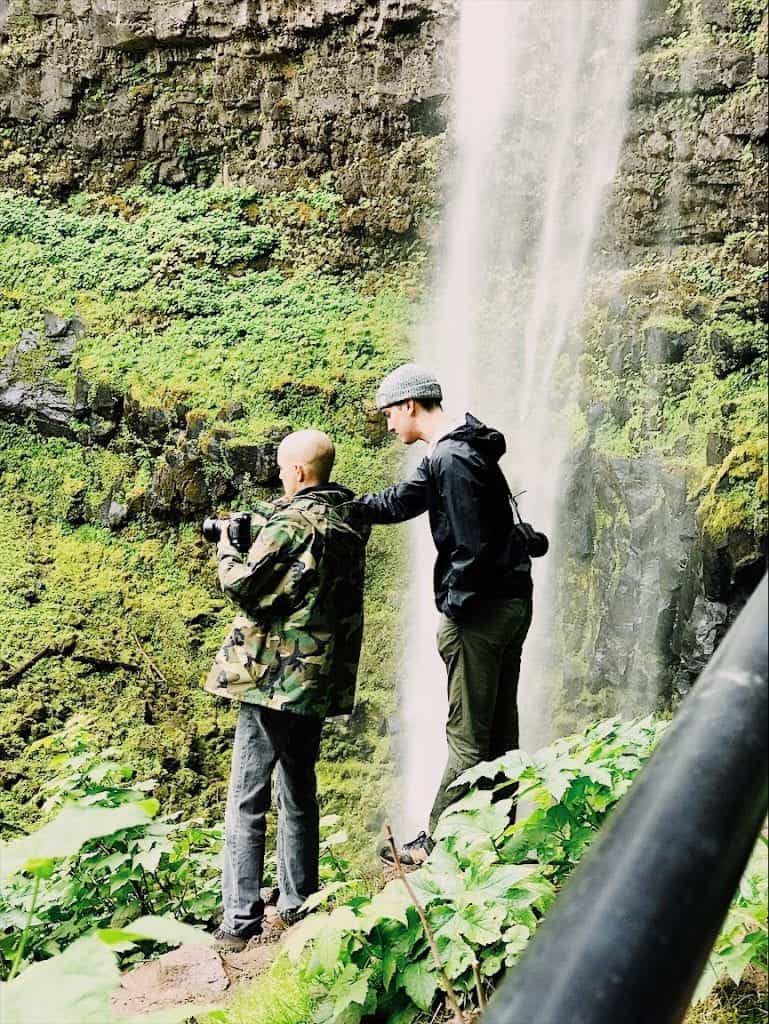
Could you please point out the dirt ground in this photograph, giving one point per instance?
(194, 975)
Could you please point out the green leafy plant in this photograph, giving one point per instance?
(743, 940)
(485, 888)
(105, 859)
(76, 986)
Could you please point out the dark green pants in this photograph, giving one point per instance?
(483, 660)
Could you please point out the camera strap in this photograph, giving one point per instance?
(517, 517)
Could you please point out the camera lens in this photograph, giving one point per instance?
(212, 529)
(538, 544)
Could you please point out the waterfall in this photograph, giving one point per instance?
(539, 116)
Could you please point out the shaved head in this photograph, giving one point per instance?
(305, 458)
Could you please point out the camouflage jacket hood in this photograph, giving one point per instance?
(295, 644)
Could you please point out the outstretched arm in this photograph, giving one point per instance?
(400, 502)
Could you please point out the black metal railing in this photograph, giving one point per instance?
(628, 939)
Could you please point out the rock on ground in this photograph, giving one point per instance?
(194, 974)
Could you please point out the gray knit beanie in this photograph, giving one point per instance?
(408, 381)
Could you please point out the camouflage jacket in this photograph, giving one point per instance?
(296, 643)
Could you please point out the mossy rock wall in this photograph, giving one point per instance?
(234, 201)
(665, 521)
(102, 95)
(111, 606)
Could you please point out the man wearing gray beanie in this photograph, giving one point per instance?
(482, 575)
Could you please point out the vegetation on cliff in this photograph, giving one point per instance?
(220, 319)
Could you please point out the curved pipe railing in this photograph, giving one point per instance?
(628, 939)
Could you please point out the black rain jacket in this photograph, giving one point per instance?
(464, 491)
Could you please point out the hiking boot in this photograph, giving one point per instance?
(226, 942)
(275, 927)
(410, 854)
(270, 896)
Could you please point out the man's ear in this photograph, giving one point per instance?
(411, 407)
(301, 475)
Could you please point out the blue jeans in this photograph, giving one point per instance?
(266, 739)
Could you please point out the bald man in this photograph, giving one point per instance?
(291, 660)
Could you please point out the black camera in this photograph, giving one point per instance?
(236, 527)
(534, 543)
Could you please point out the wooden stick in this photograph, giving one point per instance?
(451, 998)
(105, 663)
(50, 651)
(479, 986)
(152, 666)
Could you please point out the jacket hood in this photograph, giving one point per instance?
(486, 440)
(331, 493)
(336, 501)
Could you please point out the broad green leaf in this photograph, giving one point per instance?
(323, 895)
(303, 934)
(474, 801)
(389, 967)
(41, 867)
(344, 919)
(495, 882)
(516, 939)
(492, 963)
(69, 830)
(392, 903)
(351, 987)
(326, 950)
(557, 780)
(73, 988)
(158, 929)
(512, 765)
(420, 984)
(440, 877)
(482, 925)
(475, 828)
(457, 958)
(735, 959)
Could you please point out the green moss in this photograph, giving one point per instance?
(669, 322)
(184, 303)
(736, 497)
(745, 1003)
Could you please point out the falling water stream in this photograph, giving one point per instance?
(539, 116)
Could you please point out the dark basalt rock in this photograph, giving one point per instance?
(199, 472)
(630, 522)
(667, 346)
(85, 412)
(152, 424)
(114, 514)
(715, 70)
(179, 487)
(259, 461)
(222, 74)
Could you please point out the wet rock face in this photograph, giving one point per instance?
(194, 91)
(693, 167)
(30, 392)
(658, 618)
(201, 468)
